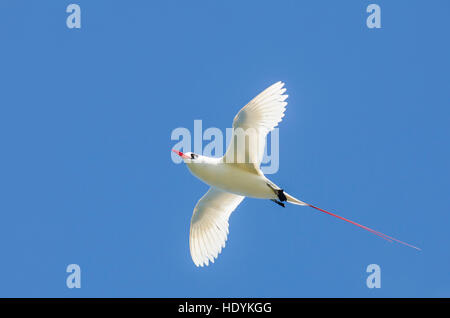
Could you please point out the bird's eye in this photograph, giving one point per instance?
(193, 156)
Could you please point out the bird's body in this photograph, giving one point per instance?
(234, 178)
(238, 175)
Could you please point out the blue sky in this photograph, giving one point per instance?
(86, 175)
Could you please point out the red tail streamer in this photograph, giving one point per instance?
(384, 236)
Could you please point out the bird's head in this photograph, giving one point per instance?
(188, 157)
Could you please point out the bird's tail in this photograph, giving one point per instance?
(293, 200)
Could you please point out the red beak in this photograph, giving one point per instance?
(182, 155)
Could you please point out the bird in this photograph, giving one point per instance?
(237, 175)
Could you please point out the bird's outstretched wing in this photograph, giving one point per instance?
(209, 224)
(256, 119)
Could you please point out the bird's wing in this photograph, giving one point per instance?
(209, 224)
(260, 116)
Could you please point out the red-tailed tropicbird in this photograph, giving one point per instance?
(237, 175)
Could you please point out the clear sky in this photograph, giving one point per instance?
(86, 175)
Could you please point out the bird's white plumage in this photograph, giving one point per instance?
(260, 116)
(232, 180)
(209, 224)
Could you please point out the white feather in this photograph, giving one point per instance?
(262, 114)
(209, 224)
